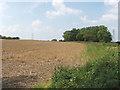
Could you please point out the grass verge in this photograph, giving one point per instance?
(100, 71)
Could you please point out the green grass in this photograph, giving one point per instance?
(43, 86)
(97, 50)
(100, 71)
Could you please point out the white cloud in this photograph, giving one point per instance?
(42, 31)
(36, 23)
(104, 18)
(39, 26)
(61, 9)
(112, 11)
(58, 3)
(110, 15)
(111, 2)
(3, 6)
(14, 28)
(85, 19)
(11, 30)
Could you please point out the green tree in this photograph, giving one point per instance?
(104, 36)
(74, 33)
(79, 36)
(71, 35)
(67, 36)
(94, 33)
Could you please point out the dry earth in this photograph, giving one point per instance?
(26, 63)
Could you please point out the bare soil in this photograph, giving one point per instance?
(27, 63)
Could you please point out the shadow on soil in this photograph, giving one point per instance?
(18, 82)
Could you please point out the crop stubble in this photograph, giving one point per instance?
(26, 63)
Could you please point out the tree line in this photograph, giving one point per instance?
(93, 33)
(5, 37)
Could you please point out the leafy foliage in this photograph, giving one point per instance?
(71, 35)
(101, 72)
(94, 33)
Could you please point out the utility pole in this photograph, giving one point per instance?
(113, 35)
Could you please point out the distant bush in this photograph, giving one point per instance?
(16, 38)
(54, 40)
(100, 73)
(4, 37)
(61, 41)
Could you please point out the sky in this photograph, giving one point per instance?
(49, 20)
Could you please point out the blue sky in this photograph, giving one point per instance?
(48, 20)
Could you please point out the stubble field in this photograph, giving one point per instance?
(26, 63)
